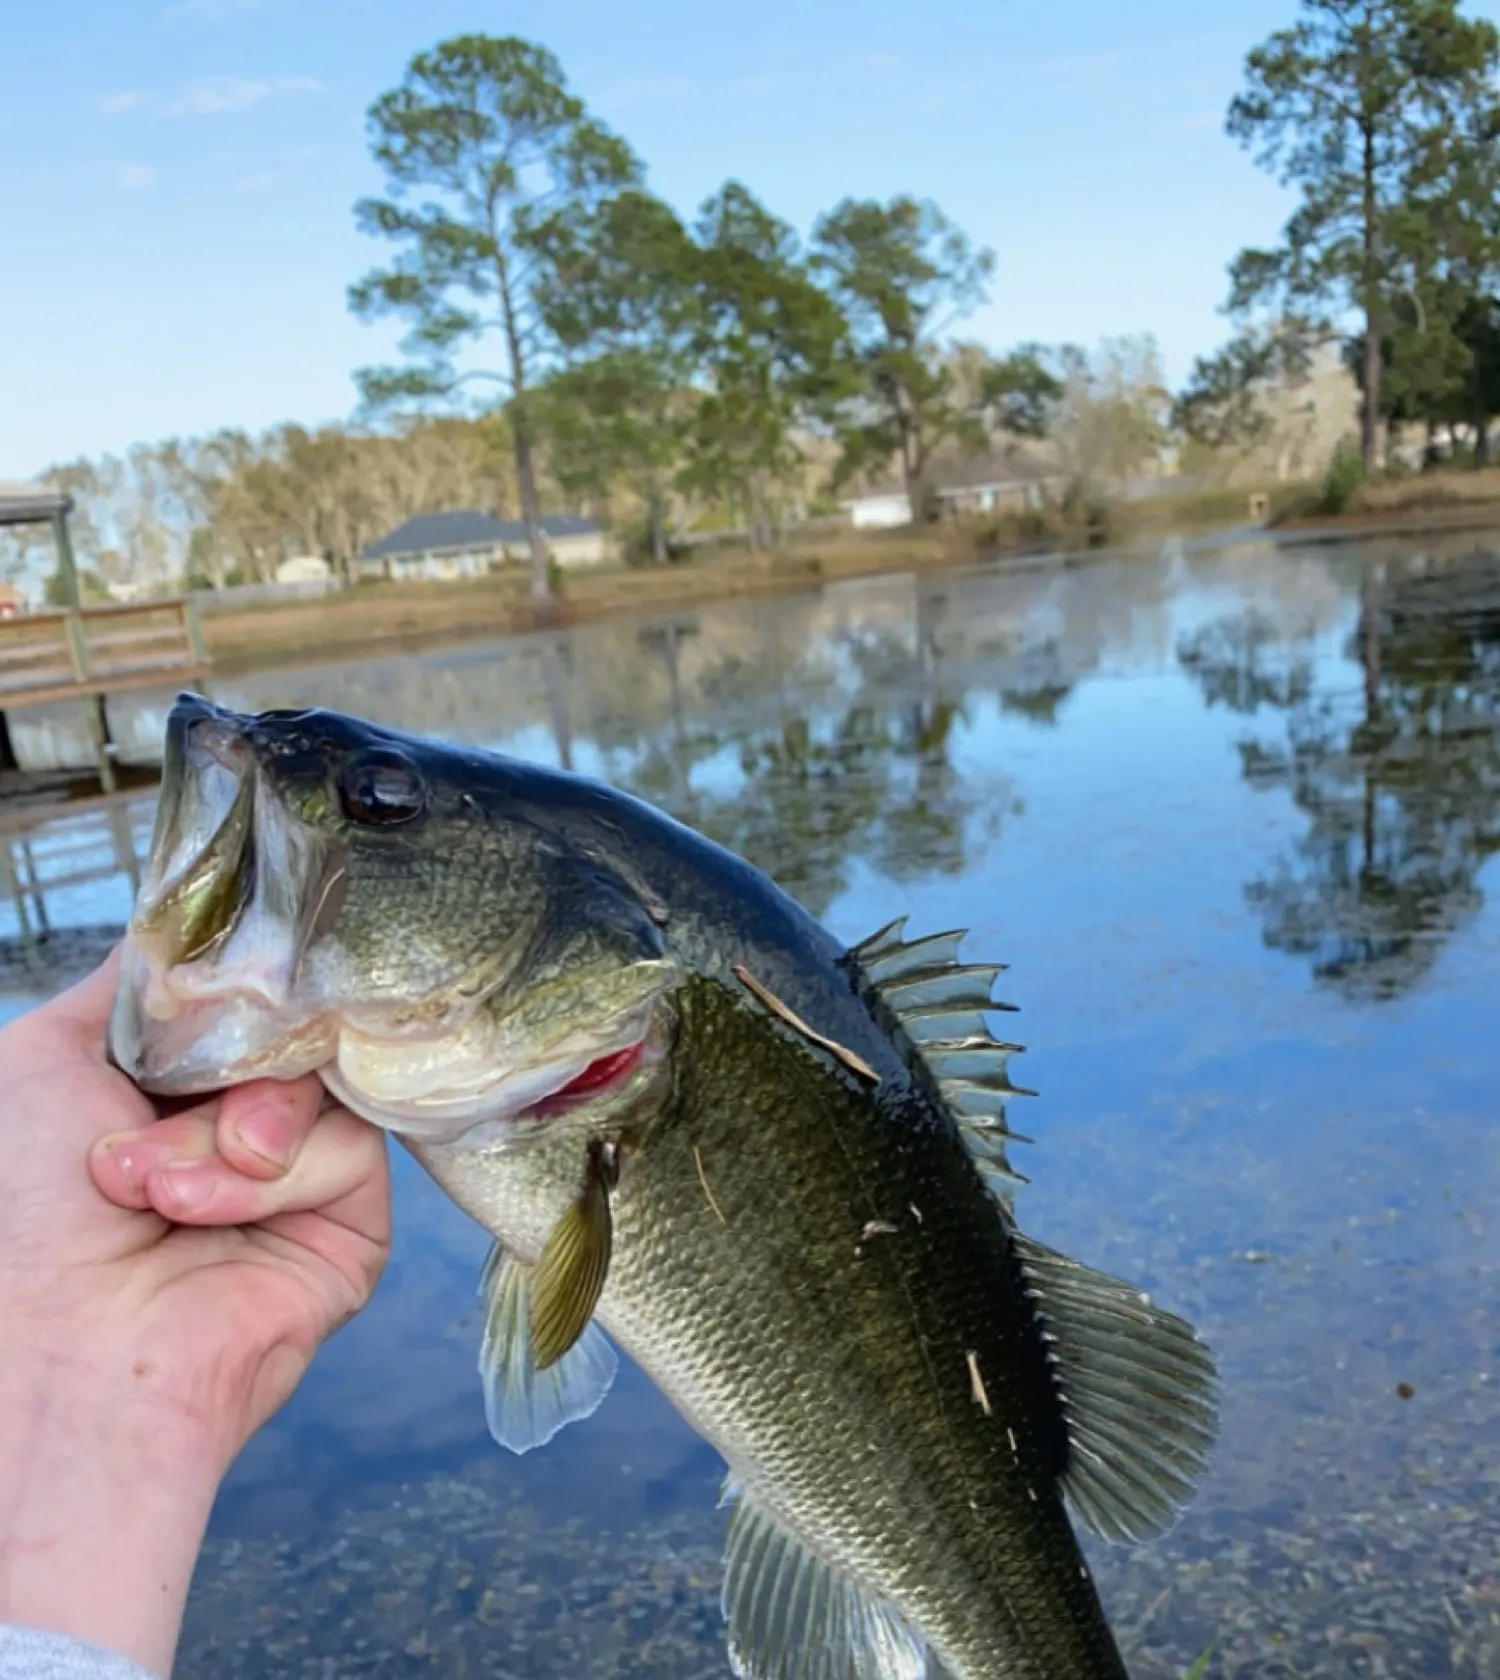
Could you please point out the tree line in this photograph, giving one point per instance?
(1384, 116)
(571, 340)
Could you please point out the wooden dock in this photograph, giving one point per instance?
(84, 655)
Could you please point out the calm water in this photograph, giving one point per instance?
(1229, 814)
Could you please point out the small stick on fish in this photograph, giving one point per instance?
(795, 1021)
(976, 1385)
(703, 1180)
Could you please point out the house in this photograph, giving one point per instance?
(884, 507)
(304, 568)
(1010, 480)
(469, 544)
(12, 601)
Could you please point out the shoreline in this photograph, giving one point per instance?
(408, 617)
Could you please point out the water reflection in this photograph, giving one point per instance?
(1397, 771)
(1147, 783)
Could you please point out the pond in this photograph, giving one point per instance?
(1228, 811)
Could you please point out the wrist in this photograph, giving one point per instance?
(105, 1492)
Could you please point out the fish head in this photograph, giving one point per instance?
(405, 918)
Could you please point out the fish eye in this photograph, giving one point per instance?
(380, 789)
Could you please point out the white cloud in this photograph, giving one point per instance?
(219, 94)
(116, 104)
(258, 182)
(134, 177)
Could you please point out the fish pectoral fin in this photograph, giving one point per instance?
(1139, 1392)
(792, 1616)
(570, 1275)
(526, 1405)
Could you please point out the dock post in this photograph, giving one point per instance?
(78, 647)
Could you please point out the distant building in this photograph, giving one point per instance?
(469, 544)
(12, 601)
(875, 508)
(1010, 480)
(304, 568)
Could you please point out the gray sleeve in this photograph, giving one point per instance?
(32, 1654)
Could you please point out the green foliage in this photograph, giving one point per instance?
(1223, 404)
(903, 274)
(1020, 391)
(489, 161)
(769, 342)
(1346, 473)
(91, 588)
(1348, 105)
(620, 296)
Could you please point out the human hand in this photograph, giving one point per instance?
(164, 1284)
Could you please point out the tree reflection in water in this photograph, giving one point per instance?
(1397, 773)
(815, 784)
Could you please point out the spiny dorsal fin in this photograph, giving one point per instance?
(793, 1617)
(1139, 1391)
(524, 1406)
(934, 1008)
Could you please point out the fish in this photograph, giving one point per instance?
(771, 1168)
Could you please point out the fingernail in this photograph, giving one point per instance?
(126, 1161)
(269, 1132)
(182, 1187)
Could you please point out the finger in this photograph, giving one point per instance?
(263, 1124)
(122, 1162)
(185, 1179)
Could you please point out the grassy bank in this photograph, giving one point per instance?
(385, 615)
(381, 616)
(1439, 500)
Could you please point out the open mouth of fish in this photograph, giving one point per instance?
(227, 973)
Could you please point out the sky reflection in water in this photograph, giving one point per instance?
(1228, 814)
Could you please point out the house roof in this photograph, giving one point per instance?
(454, 532)
(1005, 466)
(27, 504)
(950, 474)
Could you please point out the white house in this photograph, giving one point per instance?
(878, 508)
(304, 568)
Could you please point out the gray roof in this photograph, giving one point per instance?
(453, 532)
(26, 504)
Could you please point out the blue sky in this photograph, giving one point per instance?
(177, 176)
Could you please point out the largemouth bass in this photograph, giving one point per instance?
(772, 1169)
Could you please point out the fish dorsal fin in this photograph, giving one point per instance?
(1139, 1392)
(934, 1008)
(793, 1617)
(526, 1406)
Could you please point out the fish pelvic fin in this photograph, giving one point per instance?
(1139, 1392)
(934, 1008)
(791, 1616)
(526, 1404)
(570, 1275)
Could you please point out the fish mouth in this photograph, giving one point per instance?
(210, 958)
